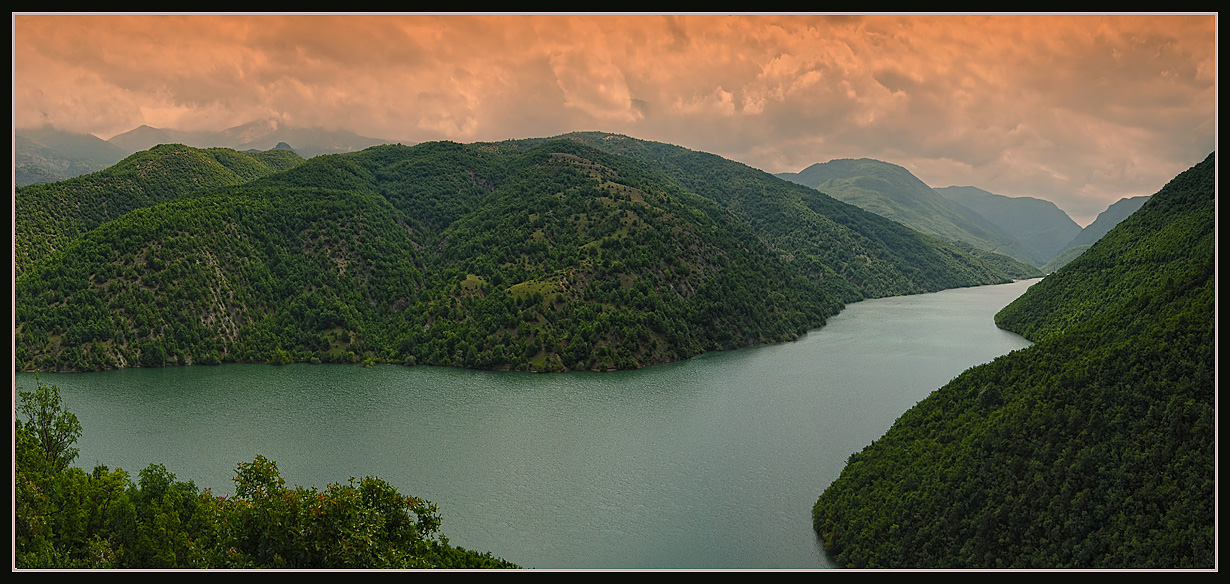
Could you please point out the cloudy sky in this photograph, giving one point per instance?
(1080, 110)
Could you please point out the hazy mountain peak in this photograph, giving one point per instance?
(259, 135)
(1039, 225)
(894, 192)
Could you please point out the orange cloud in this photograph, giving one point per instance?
(1093, 107)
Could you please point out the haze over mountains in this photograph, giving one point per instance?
(892, 191)
(42, 155)
(257, 135)
(48, 155)
(1031, 230)
(1038, 225)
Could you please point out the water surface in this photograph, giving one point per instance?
(713, 462)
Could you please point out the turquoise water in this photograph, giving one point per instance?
(713, 462)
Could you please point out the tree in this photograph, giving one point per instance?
(49, 431)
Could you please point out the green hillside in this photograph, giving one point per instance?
(542, 255)
(1091, 449)
(548, 258)
(869, 255)
(1064, 258)
(48, 216)
(1108, 219)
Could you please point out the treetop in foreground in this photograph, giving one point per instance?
(67, 518)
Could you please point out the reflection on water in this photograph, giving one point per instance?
(713, 462)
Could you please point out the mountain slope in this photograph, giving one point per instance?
(1105, 221)
(549, 257)
(539, 255)
(848, 251)
(42, 155)
(47, 216)
(1091, 449)
(893, 192)
(1040, 226)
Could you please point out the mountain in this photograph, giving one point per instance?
(48, 216)
(540, 255)
(893, 192)
(1107, 220)
(258, 135)
(144, 137)
(1093, 448)
(556, 257)
(1040, 226)
(1063, 258)
(870, 256)
(42, 155)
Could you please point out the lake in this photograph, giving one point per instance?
(714, 462)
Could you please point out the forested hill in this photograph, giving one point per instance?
(871, 256)
(47, 216)
(546, 258)
(1094, 448)
(537, 255)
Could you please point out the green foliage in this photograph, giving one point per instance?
(49, 216)
(66, 518)
(849, 252)
(1092, 448)
(48, 432)
(532, 255)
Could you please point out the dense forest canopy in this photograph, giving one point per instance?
(544, 255)
(1092, 448)
(48, 216)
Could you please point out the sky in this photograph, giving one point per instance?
(1081, 110)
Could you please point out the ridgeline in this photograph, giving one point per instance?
(540, 255)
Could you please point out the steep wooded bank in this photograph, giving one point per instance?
(536, 255)
(1106, 220)
(1092, 448)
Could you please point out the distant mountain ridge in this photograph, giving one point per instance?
(892, 191)
(258, 135)
(1039, 225)
(1107, 220)
(42, 155)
